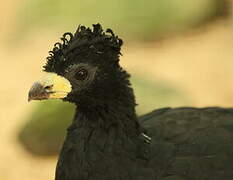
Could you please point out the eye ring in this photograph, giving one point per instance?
(81, 74)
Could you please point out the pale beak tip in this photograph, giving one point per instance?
(36, 92)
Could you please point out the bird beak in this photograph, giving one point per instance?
(51, 86)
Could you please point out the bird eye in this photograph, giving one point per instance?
(81, 74)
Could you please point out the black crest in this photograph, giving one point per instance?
(85, 42)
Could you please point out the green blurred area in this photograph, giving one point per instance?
(44, 130)
(132, 19)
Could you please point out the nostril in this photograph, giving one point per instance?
(48, 88)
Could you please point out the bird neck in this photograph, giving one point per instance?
(113, 108)
(105, 118)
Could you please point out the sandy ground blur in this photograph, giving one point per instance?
(200, 63)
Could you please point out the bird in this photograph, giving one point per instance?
(107, 140)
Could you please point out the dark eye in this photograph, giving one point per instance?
(81, 74)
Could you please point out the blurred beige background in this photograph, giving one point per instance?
(199, 61)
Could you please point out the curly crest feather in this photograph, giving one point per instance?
(85, 42)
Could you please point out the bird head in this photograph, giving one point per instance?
(83, 69)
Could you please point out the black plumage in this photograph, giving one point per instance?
(107, 141)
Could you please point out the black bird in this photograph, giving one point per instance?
(107, 141)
